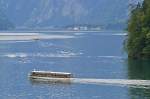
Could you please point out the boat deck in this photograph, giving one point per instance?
(50, 74)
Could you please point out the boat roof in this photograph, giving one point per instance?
(51, 72)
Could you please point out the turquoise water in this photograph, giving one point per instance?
(87, 55)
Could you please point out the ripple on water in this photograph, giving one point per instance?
(62, 54)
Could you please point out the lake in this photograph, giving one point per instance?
(96, 55)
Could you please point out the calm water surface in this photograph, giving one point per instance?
(86, 55)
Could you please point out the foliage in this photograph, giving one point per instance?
(138, 43)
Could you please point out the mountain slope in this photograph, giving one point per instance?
(44, 13)
(5, 24)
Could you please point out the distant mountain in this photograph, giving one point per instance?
(48, 13)
(5, 24)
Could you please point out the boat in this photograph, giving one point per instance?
(49, 76)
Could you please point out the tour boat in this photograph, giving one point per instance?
(49, 76)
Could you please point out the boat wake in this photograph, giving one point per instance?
(112, 82)
(125, 82)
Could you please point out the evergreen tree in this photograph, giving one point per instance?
(138, 44)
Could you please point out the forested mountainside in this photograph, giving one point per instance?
(5, 24)
(138, 44)
(49, 13)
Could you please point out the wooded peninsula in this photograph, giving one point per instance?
(138, 43)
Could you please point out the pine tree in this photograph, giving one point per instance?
(138, 44)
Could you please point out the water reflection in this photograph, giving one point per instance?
(139, 69)
(48, 83)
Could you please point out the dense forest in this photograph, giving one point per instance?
(138, 44)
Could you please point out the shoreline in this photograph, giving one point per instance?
(59, 31)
